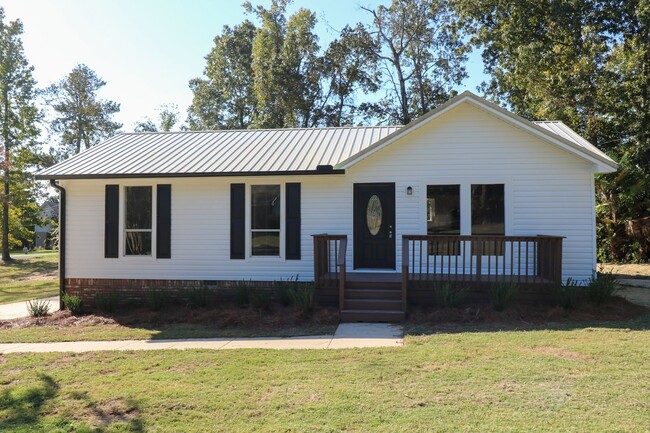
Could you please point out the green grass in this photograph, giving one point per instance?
(593, 379)
(19, 280)
(44, 334)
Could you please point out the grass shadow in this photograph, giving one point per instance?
(22, 406)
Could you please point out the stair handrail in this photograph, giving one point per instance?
(341, 263)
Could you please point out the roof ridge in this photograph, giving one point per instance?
(209, 131)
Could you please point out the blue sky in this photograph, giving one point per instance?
(148, 50)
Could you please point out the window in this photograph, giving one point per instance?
(265, 220)
(488, 210)
(443, 209)
(488, 218)
(443, 218)
(138, 221)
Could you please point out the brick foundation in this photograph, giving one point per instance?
(135, 292)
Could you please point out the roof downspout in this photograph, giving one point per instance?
(61, 240)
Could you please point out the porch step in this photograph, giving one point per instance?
(373, 304)
(380, 285)
(390, 316)
(373, 293)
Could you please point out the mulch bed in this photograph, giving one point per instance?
(517, 316)
(224, 317)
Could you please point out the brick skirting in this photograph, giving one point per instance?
(135, 292)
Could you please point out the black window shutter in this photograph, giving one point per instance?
(237, 221)
(164, 222)
(111, 221)
(292, 234)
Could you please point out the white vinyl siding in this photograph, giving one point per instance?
(547, 191)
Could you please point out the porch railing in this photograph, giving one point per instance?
(330, 263)
(480, 258)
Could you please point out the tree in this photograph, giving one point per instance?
(81, 118)
(18, 118)
(224, 99)
(286, 67)
(422, 55)
(349, 65)
(167, 119)
(587, 63)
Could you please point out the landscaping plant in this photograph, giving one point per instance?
(198, 297)
(568, 295)
(448, 296)
(73, 304)
(38, 307)
(502, 294)
(260, 300)
(106, 302)
(242, 293)
(602, 286)
(158, 299)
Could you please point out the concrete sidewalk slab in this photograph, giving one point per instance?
(347, 336)
(17, 310)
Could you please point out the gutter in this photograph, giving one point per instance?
(62, 233)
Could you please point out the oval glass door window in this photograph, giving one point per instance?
(374, 215)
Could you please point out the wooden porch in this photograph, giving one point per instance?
(474, 263)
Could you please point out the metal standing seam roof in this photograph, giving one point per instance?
(250, 151)
(264, 151)
(558, 127)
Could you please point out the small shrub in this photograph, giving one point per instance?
(568, 295)
(38, 307)
(198, 297)
(301, 296)
(107, 302)
(448, 296)
(297, 294)
(260, 300)
(602, 286)
(158, 299)
(242, 293)
(502, 295)
(73, 304)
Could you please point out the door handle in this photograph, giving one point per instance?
(390, 232)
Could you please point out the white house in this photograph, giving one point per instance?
(476, 184)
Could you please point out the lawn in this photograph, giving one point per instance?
(589, 379)
(29, 276)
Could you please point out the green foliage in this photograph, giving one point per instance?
(198, 297)
(448, 296)
(82, 119)
(106, 302)
(19, 117)
(586, 63)
(502, 295)
(158, 299)
(260, 300)
(602, 286)
(242, 293)
(423, 55)
(167, 119)
(73, 303)
(568, 295)
(298, 294)
(38, 307)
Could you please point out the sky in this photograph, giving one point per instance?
(147, 50)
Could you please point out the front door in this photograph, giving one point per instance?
(374, 226)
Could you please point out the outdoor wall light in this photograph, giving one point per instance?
(409, 190)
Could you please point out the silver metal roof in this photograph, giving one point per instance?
(559, 128)
(269, 151)
(219, 152)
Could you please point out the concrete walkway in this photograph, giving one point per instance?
(347, 335)
(16, 310)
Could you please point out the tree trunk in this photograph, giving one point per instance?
(5, 199)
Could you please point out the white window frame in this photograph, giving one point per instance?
(249, 221)
(466, 199)
(124, 230)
